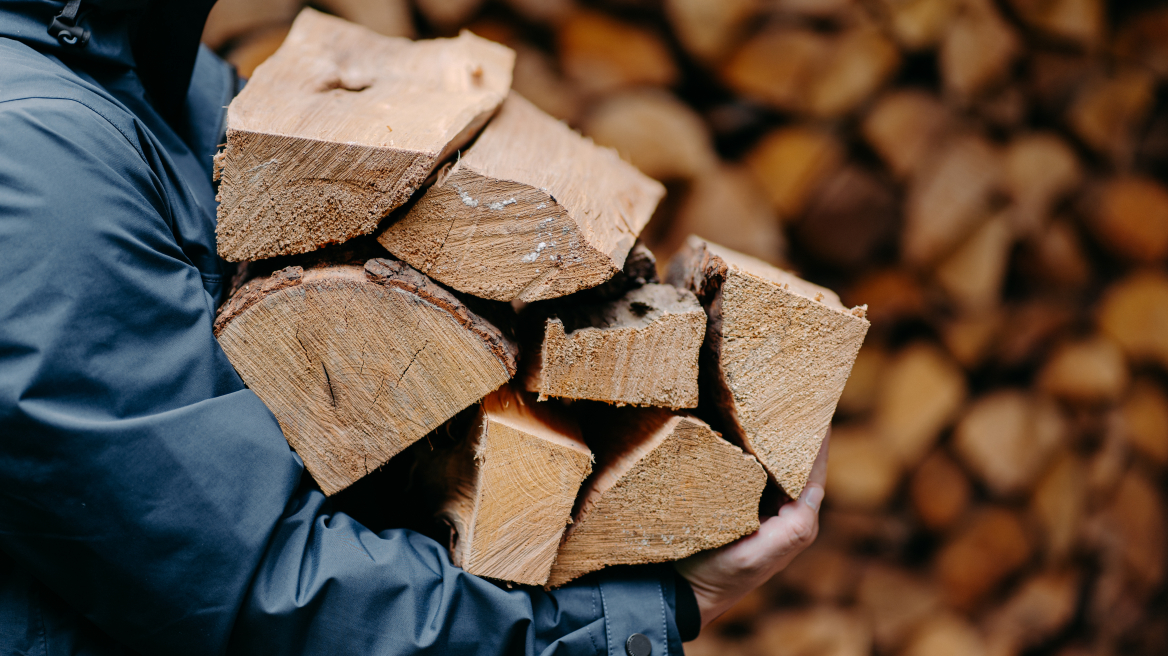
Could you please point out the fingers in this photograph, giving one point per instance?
(812, 494)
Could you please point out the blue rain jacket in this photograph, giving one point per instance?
(148, 501)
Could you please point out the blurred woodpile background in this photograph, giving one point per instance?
(989, 177)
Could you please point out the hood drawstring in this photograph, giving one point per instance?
(65, 29)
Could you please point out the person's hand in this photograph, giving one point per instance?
(723, 576)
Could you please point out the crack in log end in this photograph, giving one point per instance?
(329, 381)
(403, 373)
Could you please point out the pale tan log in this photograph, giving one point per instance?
(778, 352)
(970, 337)
(641, 349)
(601, 53)
(940, 491)
(892, 295)
(819, 630)
(946, 633)
(979, 558)
(859, 394)
(1144, 414)
(1039, 610)
(654, 131)
(448, 14)
(1088, 371)
(232, 19)
(1132, 527)
(919, 24)
(1130, 216)
(509, 487)
(386, 17)
(1081, 22)
(708, 29)
(1007, 438)
(823, 573)
(1039, 169)
(904, 127)
(358, 363)
(1109, 111)
(791, 162)
(978, 49)
(949, 198)
(531, 211)
(921, 393)
(974, 273)
(538, 80)
(664, 486)
(1134, 312)
(897, 601)
(1058, 504)
(341, 126)
(862, 473)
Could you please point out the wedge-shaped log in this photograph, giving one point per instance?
(641, 349)
(358, 363)
(665, 486)
(341, 126)
(778, 351)
(509, 487)
(531, 211)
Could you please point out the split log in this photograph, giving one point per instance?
(602, 54)
(1109, 111)
(949, 198)
(791, 162)
(1090, 371)
(817, 631)
(776, 403)
(1143, 39)
(248, 52)
(531, 211)
(664, 486)
(233, 19)
(357, 364)
(1039, 169)
(1080, 22)
(1029, 329)
(537, 79)
(898, 602)
(1007, 437)
(859, 395)
(823, 573)
(1130, 216)
(386, 17)
(726, 202)
(991, 548)
(1056, 255)
(852, 215)
(1106, 466)
(862, 474)
(922, 392)
(904, 127)
(509, 487)
(919, 24)
(708, 29)
(641, 349)
(1041, 608)
(892, 296)
(940, 491)
(448, 14)
(1058, 504)
(1134, 312)
(1056, 76)
(974, 273)
(1132, 527)
(946, 633)
(970, 337)
(655, 132)
(543, 11)
(1005, 108)
(977, 51)
(1144, 414)
(341, 126)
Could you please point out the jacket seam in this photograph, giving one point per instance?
(91, 108)
(664, 620)
(607, 625)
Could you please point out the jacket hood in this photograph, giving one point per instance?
(160, 38)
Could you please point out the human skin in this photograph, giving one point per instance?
(722, 576)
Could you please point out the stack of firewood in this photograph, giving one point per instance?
(988, 177)
(420, 240)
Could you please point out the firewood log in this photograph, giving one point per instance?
(537, 79)
(819, 631)
(1058, 504)
(919, 24)
(946, 633)
(233, 19)
(342, 125)
(1029, 329)
(1134, 312)
(655, 132)
(1007, 437)
(1041, 608)
(940, 491)
(1088, 371)
(386, 17)
(358, 363)
(1080, 22)
(601, 53)
(859, 395)
(1057, 256)
(862, 474)
(1143, 39)
(664, 486)
(949, 198)
(897, 601)
(970, 337)
(775, 403)
(1144, 414)
(1132, 528)
(892, 296)
(708, 29)
(248, 52)
(922, 391)
(852, 215)
(1108, 112)
(979, 558)
(791, 162)
(1039, 169)
(904, 127)
(978, 49)
(509, 486)
(973, 274)
(640, 349)
(1130, 217)
(823, 573)
(448, 14)
(531, 211)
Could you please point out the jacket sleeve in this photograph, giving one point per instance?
(142, 483)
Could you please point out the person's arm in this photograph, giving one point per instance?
(145, 486)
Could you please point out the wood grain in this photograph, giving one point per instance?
(341, 126)
(531, 211)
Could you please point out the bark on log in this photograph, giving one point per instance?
(358, 363)
(509, 487)
(777, 354)
(341, 126)
(531, 211)
(664, 486)
(641, 349)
